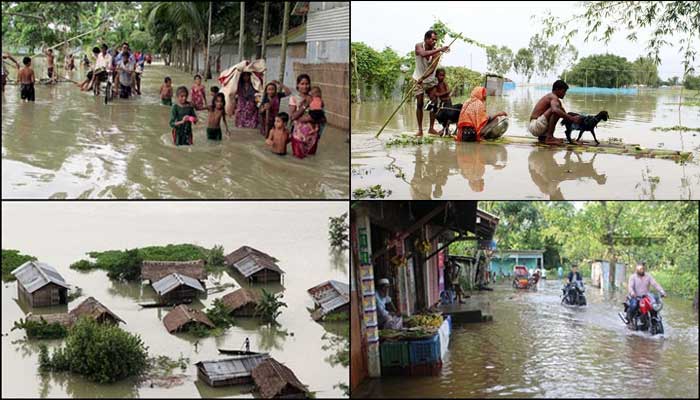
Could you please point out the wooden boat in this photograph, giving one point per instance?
(153, 305)
(239, 352)
(635, 150)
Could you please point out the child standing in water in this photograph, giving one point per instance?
(213, 91)
(270, 105)
(49, 63)
(279, 135)
(166, 92)
(26, 79)
(216, 114)
(199, 96)
(182, 117)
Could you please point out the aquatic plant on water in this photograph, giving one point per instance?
(269, 307)
(372, 192)
(679, 128)
(41, 329)
(409, 140)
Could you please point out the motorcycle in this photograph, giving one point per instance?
(647, 317)
(573, 294)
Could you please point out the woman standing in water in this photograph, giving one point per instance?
(245, 111)
(304, 135)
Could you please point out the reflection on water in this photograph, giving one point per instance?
(522, 171)
(70, 144)
(69, 231)
(535, 347)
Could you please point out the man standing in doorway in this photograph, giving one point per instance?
(424, 74)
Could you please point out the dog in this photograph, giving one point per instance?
(588, 123)
(446, 115)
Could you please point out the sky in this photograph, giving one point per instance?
(402, 25)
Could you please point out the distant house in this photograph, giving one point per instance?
(230, 371)
(176, 288)
(330, 297)
(254, 265)
(182, 316)
(503, 262)
(296, 52)
(275, 380)
(154, 271)
(40, 285)
(92, 308)
(242, 302)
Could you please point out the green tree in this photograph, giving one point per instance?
(338, 231)
(127, 266)
(219, 314)
(499, 59)
(645, 72)
(216, 256)
(269, 307)
(601, 70)
(462, 80)
(691, 82)
(12, 259)
(524, 63)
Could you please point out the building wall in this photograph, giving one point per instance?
(266, 276)
(295, 53)
(48, 295)
(182, 292)
(247, 310)
(328, 32)
(334, 81)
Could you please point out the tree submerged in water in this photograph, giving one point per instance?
(338, 228)
(269, 307)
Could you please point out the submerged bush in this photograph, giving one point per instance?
(338, 231)
(219, 314)
(127, 266)
(101, 353)
(12, 259)
(41, 329)
(269, 307)
(83, 265)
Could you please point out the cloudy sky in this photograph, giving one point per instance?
(402, 25)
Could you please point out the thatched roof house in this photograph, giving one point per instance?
(275, 380)
(92, 308)
(154, 271)
(242, 302)
(230, 371)
(62, 319)
(183, 315)
(40, 285)
(330, 297)
(255, 265)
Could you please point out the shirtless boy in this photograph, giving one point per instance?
(278, 137)
(547, 112)
(442, 90)
(49, 64)
(26, 79)
(424, 74)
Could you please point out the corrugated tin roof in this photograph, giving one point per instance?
(174, 280)
(243, 252)
(34, 275)
(332, 24)
(330, 295)
(253, 263)
(237, 367)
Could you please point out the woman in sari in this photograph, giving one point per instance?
(474, 124)
(245, 110)
(304, 132)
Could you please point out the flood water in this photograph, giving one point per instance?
(450, 170)
(69, 144)
(536, 347)
(61, 233)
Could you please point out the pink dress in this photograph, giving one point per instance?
(198, 97)
(304, 138)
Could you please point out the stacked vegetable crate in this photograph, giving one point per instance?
(394, 358)
(424, 356)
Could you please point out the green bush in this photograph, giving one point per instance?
(219, 314)
(679, 283)
(41, 329)
(126, 266)
(12, 259)
(215, 256)
(692, 82)
(101, 353)
(338, 228)
(83, 265)
(269, 307)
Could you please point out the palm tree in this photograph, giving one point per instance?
(188, 22)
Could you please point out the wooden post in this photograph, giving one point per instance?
(283, 53)
(241, 32)
(207, 73)
(264, 29)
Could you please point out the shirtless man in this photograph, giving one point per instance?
(424, 74)
(49, 64)
(547, 112)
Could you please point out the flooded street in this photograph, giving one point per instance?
(61, 233)
(536, 347)
(446, 169)
(69, 144)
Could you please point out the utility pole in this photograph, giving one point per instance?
(241, 32)
(285, 28)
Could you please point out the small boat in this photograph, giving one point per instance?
(238, 352)
(152, 305)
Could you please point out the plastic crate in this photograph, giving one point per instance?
(448, 318)
(394, 354)
(424, 351)
(428, 369)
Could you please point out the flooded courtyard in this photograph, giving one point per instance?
(69, 144)
(449, 170)
(295, 233)
(536, 347)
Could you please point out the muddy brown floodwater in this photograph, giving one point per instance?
(69, 144)
(448, 170)
(536, 347)
(61, 233)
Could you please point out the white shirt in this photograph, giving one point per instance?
(103, 61)
(382, 302)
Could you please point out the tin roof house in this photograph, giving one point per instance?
(331, 297)
(89, 308)
(175, 281)
(230, 371)
(40, 285)
(254, 265)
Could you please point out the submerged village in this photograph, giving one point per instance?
(247, 286)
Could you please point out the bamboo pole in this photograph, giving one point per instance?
(73, 38)
(207, 74)
(241, 32)
(409, 92)
(283, 54)
(264, 29)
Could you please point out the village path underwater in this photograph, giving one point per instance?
(69, 144)
(295, 233)
(443, 169)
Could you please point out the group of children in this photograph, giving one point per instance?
(183, 112)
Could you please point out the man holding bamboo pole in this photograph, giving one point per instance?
(424, 75)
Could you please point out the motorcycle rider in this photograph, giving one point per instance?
(574, 273)
(638, 286)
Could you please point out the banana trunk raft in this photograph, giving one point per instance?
(635, 150)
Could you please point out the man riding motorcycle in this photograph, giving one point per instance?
(638, 287)
(575, 283)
